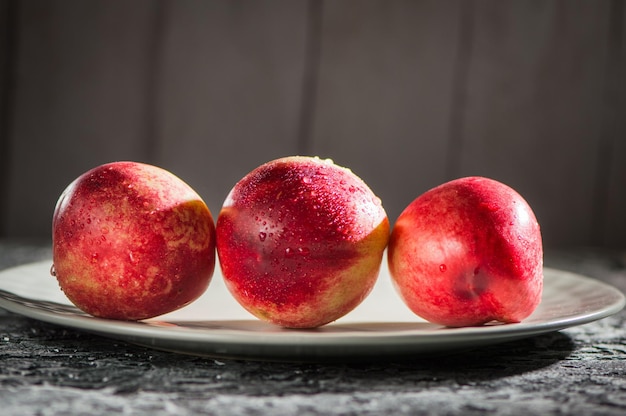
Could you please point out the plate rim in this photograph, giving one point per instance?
(306, 344)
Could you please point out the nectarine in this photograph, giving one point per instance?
(132, 241)
(468, 252)
(300, 241)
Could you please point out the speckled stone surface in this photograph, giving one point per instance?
(50, 370)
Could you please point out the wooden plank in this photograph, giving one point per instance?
(80, 99)
(231, 84)
(534, 111)
(615, 225)
(7, 50)
(385, 93)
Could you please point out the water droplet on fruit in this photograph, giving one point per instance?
(288, 252)
(306, 179)
(262, 236)
(53, 271)
(303, 251)
(442, 268)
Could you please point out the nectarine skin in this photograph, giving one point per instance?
(132, 241)
(468, 252)
(300, 241)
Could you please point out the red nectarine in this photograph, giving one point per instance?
(300, 241)
(132, 241)
(468, 252)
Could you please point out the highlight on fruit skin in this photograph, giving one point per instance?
(132, 241)
(300, 241)
(468, 252)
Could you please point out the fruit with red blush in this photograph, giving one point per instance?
(300, 241)
(468, 252)
(132, 241)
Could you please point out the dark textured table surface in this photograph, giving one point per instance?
(51, 370)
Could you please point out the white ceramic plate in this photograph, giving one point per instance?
(381, 327)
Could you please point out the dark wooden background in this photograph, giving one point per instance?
(408, 94)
